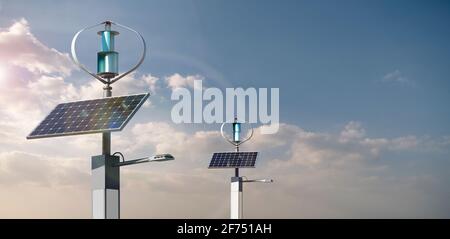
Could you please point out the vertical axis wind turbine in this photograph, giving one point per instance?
(236, 160)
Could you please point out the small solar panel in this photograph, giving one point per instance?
(233, 160)
(89, 116)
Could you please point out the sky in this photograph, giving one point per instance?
(364, 92)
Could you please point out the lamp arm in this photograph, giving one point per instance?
(132, 162)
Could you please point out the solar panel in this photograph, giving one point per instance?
(233, 160)
(89, 116)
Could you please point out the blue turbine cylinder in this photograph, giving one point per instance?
(107, 58)
(236, 132)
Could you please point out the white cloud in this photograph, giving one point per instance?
(19, 47)
(34, 79)
(375, 145)
(178, 81)
(18, 168)
(397, 77)
(352, 131)
(164, 138)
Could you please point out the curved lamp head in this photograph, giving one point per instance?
(107, 69)
(161, 158)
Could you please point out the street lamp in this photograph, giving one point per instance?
(105, 115)
(236, 160)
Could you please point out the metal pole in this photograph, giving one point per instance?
(106, 178)
(236, 170)
(106, 137)
(112, 195)
(236, 200)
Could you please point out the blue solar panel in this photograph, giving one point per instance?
(89, 116)
(233, 160)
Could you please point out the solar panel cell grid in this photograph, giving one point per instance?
(233, 160)
(89, 116)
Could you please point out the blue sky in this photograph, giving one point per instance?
(384, 64)
(327, 58)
